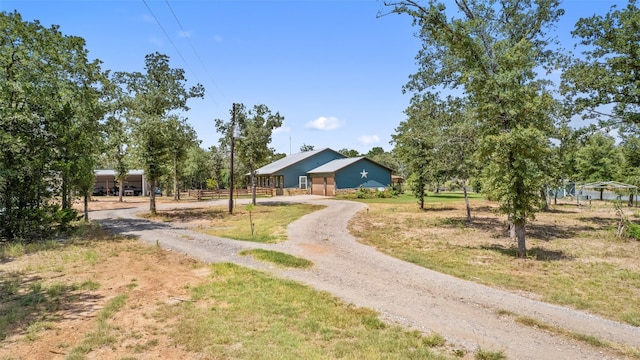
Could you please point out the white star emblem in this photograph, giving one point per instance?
(363, 174)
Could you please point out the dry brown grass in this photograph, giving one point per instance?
(574, 257)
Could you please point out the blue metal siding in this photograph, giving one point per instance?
(350, 177)
(293, 172)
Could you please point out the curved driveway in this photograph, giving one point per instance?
(462, 311)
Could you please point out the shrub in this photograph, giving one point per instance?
(634, 231)
(363, 193)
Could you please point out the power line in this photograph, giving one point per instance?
(194, 50)
(171, 41)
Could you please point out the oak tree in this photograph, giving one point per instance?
(252, 132)
(49, 111)
(153, 97)
(491, 51)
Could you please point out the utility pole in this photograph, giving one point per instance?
(233, 141)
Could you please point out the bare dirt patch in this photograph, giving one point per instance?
(147, 275)
(112, 202)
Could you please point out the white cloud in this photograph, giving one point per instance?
(324, 123)
(184, 34)
(155, 41)
(148, 18)
(282, 129)
(368, 139)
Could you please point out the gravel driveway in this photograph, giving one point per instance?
(462, 311)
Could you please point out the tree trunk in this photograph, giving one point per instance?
(176, 194)
(545, 203)
(120, 190)
(555, 198)
(511, 227)
(65, 195)
(630, 203)
(601, 192)
(519, 227)
(253, 186)
(466, 200)
(86, 207)
(548, 195)
(152, 197)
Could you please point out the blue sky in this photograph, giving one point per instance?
(332, 68)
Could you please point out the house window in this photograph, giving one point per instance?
(302, 182)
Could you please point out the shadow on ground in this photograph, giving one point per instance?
(25, 301)
(128, 226)
(535, 253)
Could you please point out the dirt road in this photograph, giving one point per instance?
(462, 311)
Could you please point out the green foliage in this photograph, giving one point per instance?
(349, 152)
(375, 151)
(212, 184)
(181, 137)
(634, 230)
(363, 193)
(151, 99)
(416, 148)
(453, 132)
(599, 159)
(489, 51)
(49, 112)
(607, 71)
(305, 147)
(198, 172)
(629, 169)
(254, 129)
(366, 193)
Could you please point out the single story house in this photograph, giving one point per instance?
(349, 173)
(106, 184)
(322, 172)
(291, 171)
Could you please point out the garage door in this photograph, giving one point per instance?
(317, 186)
(331, 186)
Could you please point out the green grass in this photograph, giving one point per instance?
(270, 220)
(17, 249)
(278, 258)
(245, 314)
(408, 198)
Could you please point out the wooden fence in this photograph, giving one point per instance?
(224, 193)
